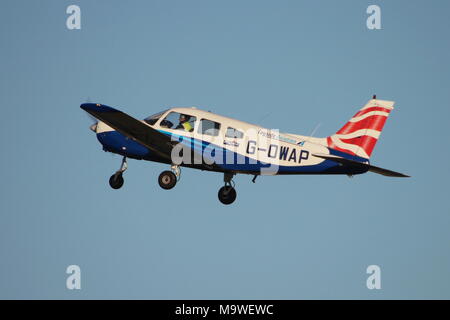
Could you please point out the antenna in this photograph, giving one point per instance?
(311, 135)
(261, 119)
(315, 129)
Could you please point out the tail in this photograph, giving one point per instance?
(360, 134)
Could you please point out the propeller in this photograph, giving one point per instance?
(93, 120)
(94, 127)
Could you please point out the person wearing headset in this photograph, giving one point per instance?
(184, 123)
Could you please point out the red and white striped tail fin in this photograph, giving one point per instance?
(360, 134)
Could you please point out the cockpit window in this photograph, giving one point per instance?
(179, 121)
(154, 118)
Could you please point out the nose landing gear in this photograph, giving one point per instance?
(116, 181)
(227, 194)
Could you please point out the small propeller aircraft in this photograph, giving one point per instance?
(190, 137)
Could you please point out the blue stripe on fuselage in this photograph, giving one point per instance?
(116, 142)
(247, 164)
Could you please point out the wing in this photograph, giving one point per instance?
(384, 172)
(132, 128)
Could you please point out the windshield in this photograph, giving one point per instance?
(154, 118)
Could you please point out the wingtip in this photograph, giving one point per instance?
(96, 107)
(87, 106)
(401, 175)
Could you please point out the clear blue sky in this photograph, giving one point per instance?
(295, 237)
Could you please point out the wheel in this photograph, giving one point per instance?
(116, 182)
(167, 180)
(227, 195)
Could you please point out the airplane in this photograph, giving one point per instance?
(199, 139)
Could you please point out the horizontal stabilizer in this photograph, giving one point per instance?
(344, 161)
(386, 172)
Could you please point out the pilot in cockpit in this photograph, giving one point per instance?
(184, 123)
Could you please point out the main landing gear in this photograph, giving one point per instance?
(116, 181)
(227, 194)
(168, 179)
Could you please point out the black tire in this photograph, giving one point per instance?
(227, 195)
(167, 180)
(116, 182)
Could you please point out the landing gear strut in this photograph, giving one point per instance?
(227, 194)
(168, 179)
(116, 181)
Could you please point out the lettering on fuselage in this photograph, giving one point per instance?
(276, 151)
(230, 143)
